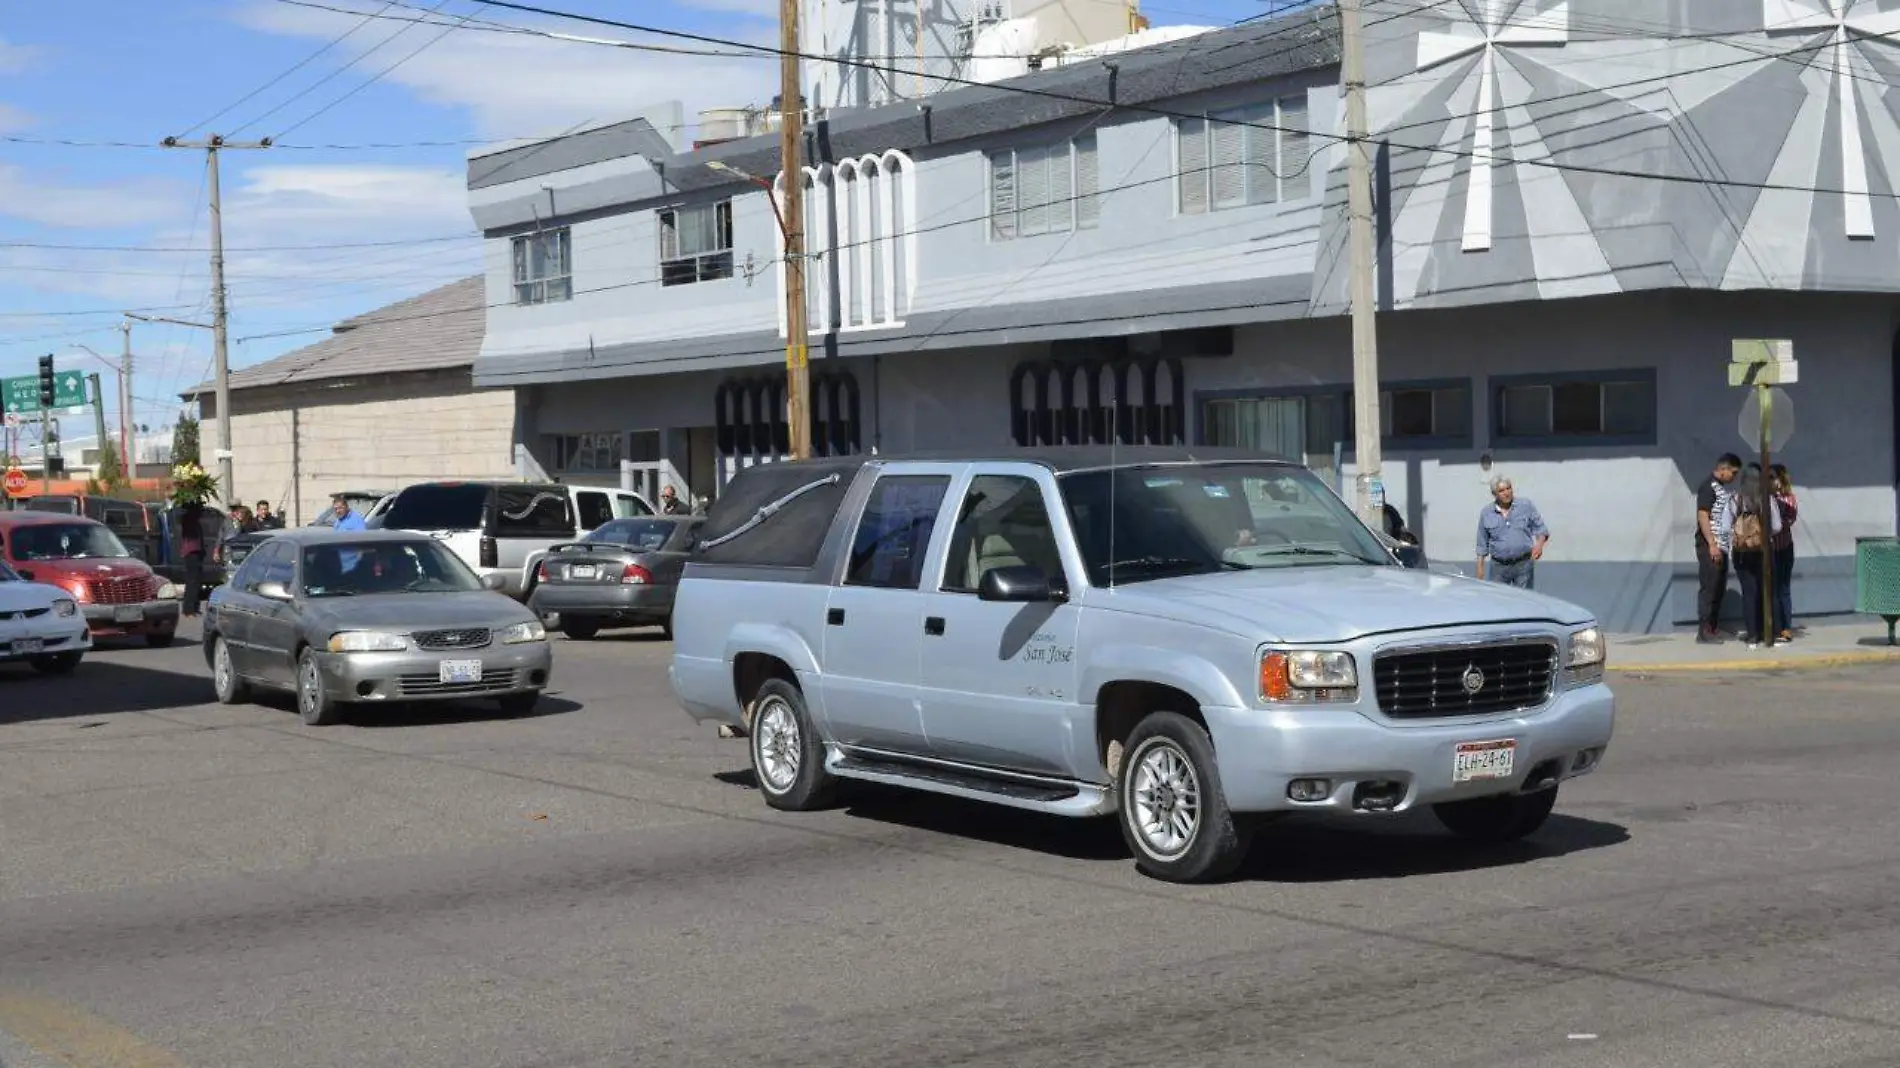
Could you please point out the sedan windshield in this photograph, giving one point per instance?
(66, 541)
(350, 569)
(6, 573)
(1138, 523)
(646, 535)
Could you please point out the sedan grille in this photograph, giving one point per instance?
(28, 613)
(1478, 680)
(468, 638)
(433, 686)
(134, 589)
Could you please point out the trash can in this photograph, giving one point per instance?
(1877, 580)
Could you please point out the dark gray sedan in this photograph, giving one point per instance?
(624, 573)
(368, 617)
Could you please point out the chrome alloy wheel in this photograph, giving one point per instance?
(1167, 799)
(309, 687)
(221, 674)
(777, 746)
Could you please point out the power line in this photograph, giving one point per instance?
(471, 235)
(374, 78)
(320, 82)
(299, 65)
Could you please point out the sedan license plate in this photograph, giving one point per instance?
(1484, 760)
(28, 647)
(130, 613)
(583, 571)
(461, 671)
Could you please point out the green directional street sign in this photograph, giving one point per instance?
(22, 395)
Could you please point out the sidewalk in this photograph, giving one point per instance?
(1826, 643)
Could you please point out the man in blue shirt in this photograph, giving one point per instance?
(1511, 537)
(346, 517)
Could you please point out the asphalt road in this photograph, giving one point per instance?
(184, 885)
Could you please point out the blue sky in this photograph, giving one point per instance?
(136, 71)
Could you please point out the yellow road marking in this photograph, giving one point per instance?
(76, 1037)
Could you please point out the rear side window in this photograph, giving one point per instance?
(532, 512)
(436, 507)
(894, 532)
(595, 509)
(775, 515)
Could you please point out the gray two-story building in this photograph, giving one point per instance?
(1578, 206)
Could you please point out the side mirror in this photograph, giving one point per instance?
(1018, 585)
(1411, 556)
(494, 582)
(27, 575)
(273, 591)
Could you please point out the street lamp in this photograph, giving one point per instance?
(797, 366)
(122, 371)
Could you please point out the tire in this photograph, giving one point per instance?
(231, 689)
(788, 760)
(520, 704)
(1169, 761)
(314, 702)
(580, 628)
(666, 627)
(57, 663)
(1495, 820)
(160, 639)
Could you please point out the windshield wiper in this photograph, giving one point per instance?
(1308, 550)
(1160, 563)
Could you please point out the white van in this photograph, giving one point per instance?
(505, 528)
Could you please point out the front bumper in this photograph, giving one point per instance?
(116, 619)
(1261, 750)
(65, 636)
(640, 602)
(416, 675)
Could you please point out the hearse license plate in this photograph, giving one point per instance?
(461, 671)
(27, 647)
(1484, 760)
(130, 613)
(583, 571)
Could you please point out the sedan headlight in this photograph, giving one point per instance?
(169, 592)
(1308, 676)
(367, 641)
(1583, 661)
(531, 631)
(63, 607)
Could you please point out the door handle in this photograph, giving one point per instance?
(933, 626)
(834, 617)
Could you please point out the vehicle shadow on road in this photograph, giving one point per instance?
(96, 688)
(425, 713)
(1322, 850)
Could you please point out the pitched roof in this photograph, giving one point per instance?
(438, 330)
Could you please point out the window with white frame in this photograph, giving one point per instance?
(1046, 189)
(696, 244)
(544, 267)
(1253, 155)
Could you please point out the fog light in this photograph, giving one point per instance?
(1587, 759)
(1309, 789)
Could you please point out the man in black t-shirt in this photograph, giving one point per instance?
(1714, 518)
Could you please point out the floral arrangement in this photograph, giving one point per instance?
(192, 484)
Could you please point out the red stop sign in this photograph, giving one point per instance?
(15, 482)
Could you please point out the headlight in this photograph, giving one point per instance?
(531, 631)
(169, 592)
(1308, 676)
(367, 641)
(66, 608)
(1584, 660)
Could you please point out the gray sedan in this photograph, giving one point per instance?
(622, 574)
(368, 617)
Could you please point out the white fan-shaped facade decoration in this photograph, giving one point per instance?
(860, 243)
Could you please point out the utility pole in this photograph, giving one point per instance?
(1370, 499)
(99, 420)
(212, 145)
(792, 186)
(126, 461)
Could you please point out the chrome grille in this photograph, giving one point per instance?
(468, 638)
(133, 589)
(1478, 680)
(433, 686)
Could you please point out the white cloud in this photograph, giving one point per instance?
(758, 9)
(13, 118)
(138, 202)
(17, 59)
(519, 85)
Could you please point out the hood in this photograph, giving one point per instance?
(21, 596)
(89, 568)
(1308, 605)
(420, 611)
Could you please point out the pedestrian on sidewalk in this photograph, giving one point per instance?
(1751, 528)
(191, 546)
(1783, 489)
(1511, 538)
(1714, 520)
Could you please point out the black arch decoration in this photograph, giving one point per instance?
(749, 416)
(1127, 401)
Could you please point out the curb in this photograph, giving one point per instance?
(1797, 662)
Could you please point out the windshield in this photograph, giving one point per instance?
(646, 535)
(1138, 523)
(6, 573)
(348, 569)
(66, 541)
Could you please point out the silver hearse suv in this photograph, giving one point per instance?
(1190, 639)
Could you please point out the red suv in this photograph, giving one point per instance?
(120, 594)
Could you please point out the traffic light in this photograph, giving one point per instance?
(46, 380)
